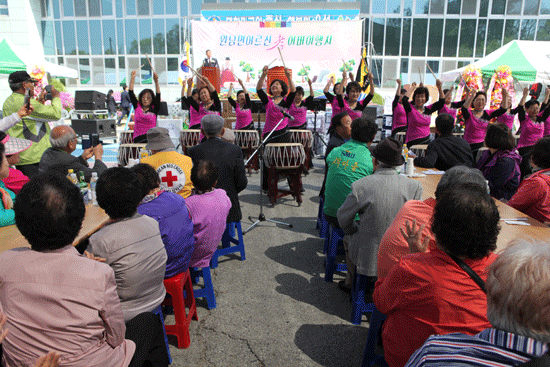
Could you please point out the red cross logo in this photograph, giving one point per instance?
(169, 179)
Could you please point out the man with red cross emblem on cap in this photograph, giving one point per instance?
(173, 168)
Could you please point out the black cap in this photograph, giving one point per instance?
(20, 76)
(389, 151)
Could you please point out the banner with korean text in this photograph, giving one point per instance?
(316, 49)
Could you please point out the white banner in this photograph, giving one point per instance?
(315, 49)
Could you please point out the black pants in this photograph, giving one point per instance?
(419, 141)
(146, 331)
(525, 166)
(29, 170)
(279, 136)
(125, 112)
(301, 127)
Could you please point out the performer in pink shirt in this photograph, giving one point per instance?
(350, 104)
(331, 98)
(208, 103)
(242, 106)
(146, 108)
(399, 116)
(298, 108)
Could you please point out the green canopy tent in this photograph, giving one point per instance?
(9, 62)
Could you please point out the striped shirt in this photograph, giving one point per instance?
(491, 347)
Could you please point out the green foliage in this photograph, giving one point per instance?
(304, 71)
(58, 85)
(242, 63)
(253, 76)
(247, 68)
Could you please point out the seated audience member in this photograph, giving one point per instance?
(13, 147)
(517, 288)
(58, 157)
(533, 195)
(429, 293)
(393, 245)
(170, 211)
(376, 199)
(7, 215)
(447, 150)
(209, 208)
(131, 243)
(54, 298)
(500, 163)
(227, 157)
(173, 168)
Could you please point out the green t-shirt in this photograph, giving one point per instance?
(346, 164)
(27, 129)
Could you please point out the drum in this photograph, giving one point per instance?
(189, 138)
(284, 155)
(127, 152)
(126, 137)
(247, 139)
(304, 137)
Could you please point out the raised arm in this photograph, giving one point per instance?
(132, 79)
(343, 84)
(291, 86)
(371, 82)
(465, 108)
(261, 81)
(310, 83)
(230, 91)
(524, 97)
(439, 86)
(190, 87)
(410, 91)
(242, 86)
(206, 81)
(329, 83)
(156, 80)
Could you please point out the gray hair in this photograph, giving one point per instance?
(518, 290)
(212, 124)
(16, 86)
(459, 175)
(62, 141)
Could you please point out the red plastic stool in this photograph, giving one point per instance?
(175, 287)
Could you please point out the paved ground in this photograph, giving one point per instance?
(275, 308)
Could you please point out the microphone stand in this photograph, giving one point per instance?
(260, 151)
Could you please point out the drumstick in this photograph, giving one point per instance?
(152, 69)
(420, 75)
(82, 241)
(431, 71)
(275, 59)
(281, 54)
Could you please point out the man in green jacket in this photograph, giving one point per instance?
(37, 126)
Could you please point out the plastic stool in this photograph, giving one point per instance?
(158, 311)
(175, 287)
(208, 290)
(369, 357)
(322, 223)
(336, 235)
(359, 307)
(227, 239)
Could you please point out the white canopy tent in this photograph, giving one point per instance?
(31, 60)
(529, 61)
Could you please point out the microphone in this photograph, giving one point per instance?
(291, 118)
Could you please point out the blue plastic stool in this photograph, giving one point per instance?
(208, 290)
(227, 239)
(322, 223)
(158, 311)
(375, 329)
(334, 239)
(359, 307)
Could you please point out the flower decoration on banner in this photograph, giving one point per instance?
(502, 79)
(473, 77)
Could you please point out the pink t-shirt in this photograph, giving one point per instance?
(450, 111)
(143, 121)
(209, 214)
(243, 117)
(399, 117)
(194, 117)
(530, 132)
(507, 120)
(419, 125)
(475, 128)
(299, 113)
(354, 114)
(547, 127)
(335, 107)
(272, 117)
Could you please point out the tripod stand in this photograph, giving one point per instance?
(318, 105)
(260, 152)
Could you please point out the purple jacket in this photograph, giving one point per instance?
(502, 171)
(176, 229)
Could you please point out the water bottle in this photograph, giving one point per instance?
(93, 183)
(143, 153)
(83, 187)
(73, 178)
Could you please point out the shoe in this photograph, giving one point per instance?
(342, 286)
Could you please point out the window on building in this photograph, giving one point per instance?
(376, 70)
(143, 7)
(56, 13)
(44, 7)
(109, 37)
(69, 37)
(407, 7)
(450, 41)
(367, 28)
(428, 77)
(172, 72)
(110, 72)
(394, 7)
(120, 36)
(73, 64)
(122, 71)
(528, 29)
(437, 6)
(106, 7)
(82, 37)
(467, 38)
(146, 72)
(98, 71)
(378, 6)
(483, 8)
(171, 7)
(469, 7)
(494, 35)
(453, 6)
(184, 8)
(543, 33)
(404, 71)
(158, 36)
(196, 6)
(58, 38)
(94, 8)
(130, 7)
(95, 37)
(80, 8)
(419, 34)
(158, 7)
(68, 8)
(498, 6)
(378, 35)
(131, 28)
(417, 71)
(513, 7)
(84, 71)
(531, 7)
(160, 69)
(435, 37)
(145, 36)
(480, 41)
(406, 42)
(48, 37)
(133, 64)
(119, 8)
(545, 7)
(390, 72)
(172, 36)
(448, 65)
(422, 7)
(511, 30)
(393, 36)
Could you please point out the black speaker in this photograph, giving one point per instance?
(103, 127)
(89, 100)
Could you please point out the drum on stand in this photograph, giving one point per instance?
(126, 137)
(127, 152)
(189, 138)
(304, 137)
(248, 140)
(284, 159)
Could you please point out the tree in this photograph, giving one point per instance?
(246, 68)
(304, 72)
